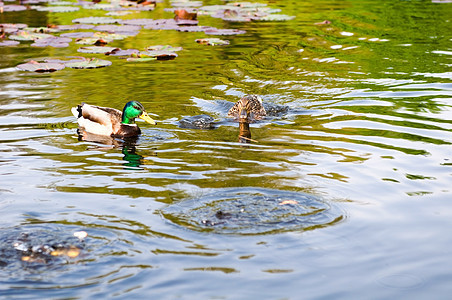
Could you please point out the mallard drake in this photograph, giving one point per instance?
(110, 121)
(248, 109)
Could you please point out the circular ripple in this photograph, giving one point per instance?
(38, 246)
(400, 281)
(252, 211)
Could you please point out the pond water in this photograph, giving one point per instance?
(346, 193)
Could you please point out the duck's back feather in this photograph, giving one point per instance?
(97, 119)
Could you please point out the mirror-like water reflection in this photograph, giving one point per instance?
(341, 191)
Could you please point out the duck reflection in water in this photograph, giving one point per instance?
(127, 145)
(247, 110)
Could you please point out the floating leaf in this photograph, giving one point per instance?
(194, 28)
(115, 28)
(89, 64)
(141, 59)
(159, 55)
(182, 3)
(13, 7)
(93, 41)
(59, 3)
(213, 42)
(65, 60)
(29, 36)
(41, 29)
(96, 20)
(276, 17)
(74, 27)
(57, 42)
(140, 22)
(185, 14)
(167, 48)
(109, 36)
(96, 49)
(77, 35)
(9, 43)
(216, 31)
(119, 52)
(119, 13)
(34, 66)
(58, 9)
(12, 28)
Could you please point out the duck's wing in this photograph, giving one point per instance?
(256, 107)
(97, 119)
(235, 110)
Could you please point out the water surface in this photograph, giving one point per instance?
(345, 194)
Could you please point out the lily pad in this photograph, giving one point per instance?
(96, 20)
(29, 36)
(41, 29)
(57, 8)
(276, 17)
(78, 35)
(163, 48)
(89, 64)
(92, 41)
(65, 60)
(119, 52)
(74, 27)
(9, 43)
(96, 49)
(61, 3)
(116, 28)
(185, 4)
(141, 59)
(185, 14)
(12, 28)
(56, 42)
(109, 36)
(119, 13)
(217, 31)
(157, 54)
(13, 7)
(213, 42)
(140, 22)
(194, 28)
(34, 66)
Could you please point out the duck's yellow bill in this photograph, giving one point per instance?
(144, 116)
